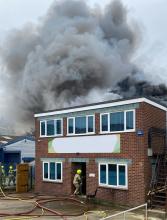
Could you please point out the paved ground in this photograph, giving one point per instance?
(70, 207)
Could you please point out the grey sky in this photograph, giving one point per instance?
(150, 15)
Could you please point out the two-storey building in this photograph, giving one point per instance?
(113, 142)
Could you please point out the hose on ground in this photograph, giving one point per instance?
(39, 203)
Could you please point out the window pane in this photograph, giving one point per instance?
(45, 170)
(129, 120)
(122, 175)
(112, 174)
(104, 119)
(52, 170)
(70, 126)
(117, 121)
(90, 124)
(58, 127)
(103, 174)
(50, 127)
(42, 128)
(59, 171)
(80, 125)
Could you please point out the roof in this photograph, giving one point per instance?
(4, 139)
(14, 139)
(105, 104)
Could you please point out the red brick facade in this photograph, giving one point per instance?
(133, 147)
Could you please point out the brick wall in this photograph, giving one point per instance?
(133, 147)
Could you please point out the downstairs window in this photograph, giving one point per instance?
(113, 175)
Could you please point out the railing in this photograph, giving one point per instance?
(123, 213)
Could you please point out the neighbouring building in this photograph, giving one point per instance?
(117, 144)
(16, 150)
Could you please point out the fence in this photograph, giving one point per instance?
(124, 214)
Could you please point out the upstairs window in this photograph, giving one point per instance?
(104, 122)
(50, 128)
(129, 120)
(71, 125)
(90, 123)
(117, 121)
(81, 125)
(42, 128)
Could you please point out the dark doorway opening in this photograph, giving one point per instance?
(75, 166)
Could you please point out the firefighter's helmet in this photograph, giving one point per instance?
(79, 171)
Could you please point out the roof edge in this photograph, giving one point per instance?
(101, 105)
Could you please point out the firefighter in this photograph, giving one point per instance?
(3, 176)
(77, 181)
(11, 175)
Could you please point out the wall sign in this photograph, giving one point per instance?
(140, 132)
(85, 144)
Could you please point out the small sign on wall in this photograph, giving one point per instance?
(140, 132)
(92, 175)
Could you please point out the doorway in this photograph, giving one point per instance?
(74, 167)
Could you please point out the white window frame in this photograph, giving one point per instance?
(114, 186)
(87, 133)
(101, 123)
(134, 120)
(125, 130)
(54, 135)
(61, 122)
(41, 128)
(48, 179)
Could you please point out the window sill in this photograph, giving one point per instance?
(52, 181)
(114, 187)
(116, 132)
(51, 136)
(91, 133)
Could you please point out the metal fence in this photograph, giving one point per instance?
(124, 215)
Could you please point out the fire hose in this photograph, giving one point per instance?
(39, 203)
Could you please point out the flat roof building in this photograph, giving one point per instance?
(117, 144)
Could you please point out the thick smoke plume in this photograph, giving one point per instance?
(131, 87)
(74, 55)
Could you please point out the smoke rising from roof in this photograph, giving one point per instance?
(74, 55)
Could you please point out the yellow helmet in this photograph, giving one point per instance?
(10, 167)
(79, 171)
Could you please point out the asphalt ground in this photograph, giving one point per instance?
(72, 208)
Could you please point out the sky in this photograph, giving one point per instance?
(150, 16)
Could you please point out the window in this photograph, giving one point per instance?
(58, 127)
(129, 120)
(103, 174)
(113, 175)
(42, 128)
(52, 171)
(81, 125)
(51, 128)
(117, 121)
(90, 123)
(71, 125)
(104, 120)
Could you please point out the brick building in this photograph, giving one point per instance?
(115, 143)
